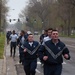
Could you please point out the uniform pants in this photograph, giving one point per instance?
(30, 66)
(8, 40)
(52, 69)
(13, 46)
(21, 55)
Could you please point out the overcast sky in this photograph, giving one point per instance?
(17, 5)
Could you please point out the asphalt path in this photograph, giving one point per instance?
(68, 66)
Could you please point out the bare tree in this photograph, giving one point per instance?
(65, 13)
(50, 13)
(3, 13)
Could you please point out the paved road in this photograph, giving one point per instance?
(68, 66)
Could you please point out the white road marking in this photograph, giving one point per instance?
(71, 46)
(8, 69)
(38, 71)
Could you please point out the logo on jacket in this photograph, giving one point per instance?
(59, 48)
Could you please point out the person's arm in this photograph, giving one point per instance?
(41, 38)
(10, 37)
(17, 37)
(41, 52)
(23, 46)
(38, 46)
(66, 53)
(18, 41)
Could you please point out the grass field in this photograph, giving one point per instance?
(71, 36)
(2, 43)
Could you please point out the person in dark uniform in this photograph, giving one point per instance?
(26, 35)
(30, 55)
(46, 38)
(22, 38)
(8, 36)
(51, 54)
(42, 36)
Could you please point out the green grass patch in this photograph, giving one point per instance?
(71, 36)
(2, 43)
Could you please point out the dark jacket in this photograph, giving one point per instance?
(19, 40)
(42, 37)
(32, 51)
(54, 52)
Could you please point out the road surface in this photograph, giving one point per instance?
(68, 66)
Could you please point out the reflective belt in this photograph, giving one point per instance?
(58, 54)
(22, 46)
(35, 49)
(29, 51)
(52, 54)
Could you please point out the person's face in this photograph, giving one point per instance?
(49, 32)
(54, 35)
(22, 33)
(13, 32)
(30, 38)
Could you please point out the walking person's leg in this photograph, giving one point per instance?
(14, 49)
(27, 67)
(11, 46)
(7, 40)
(58, 70)
(48, 69)
(20, 54)
(33, 67)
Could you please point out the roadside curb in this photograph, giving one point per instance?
(4, 66)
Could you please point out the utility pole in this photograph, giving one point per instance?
(0, 13)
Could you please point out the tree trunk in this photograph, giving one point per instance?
(69, 27)
(69, 22)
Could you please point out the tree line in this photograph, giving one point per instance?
(42, 14)
(3, 13)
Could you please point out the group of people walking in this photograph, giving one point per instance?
(50, 51)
